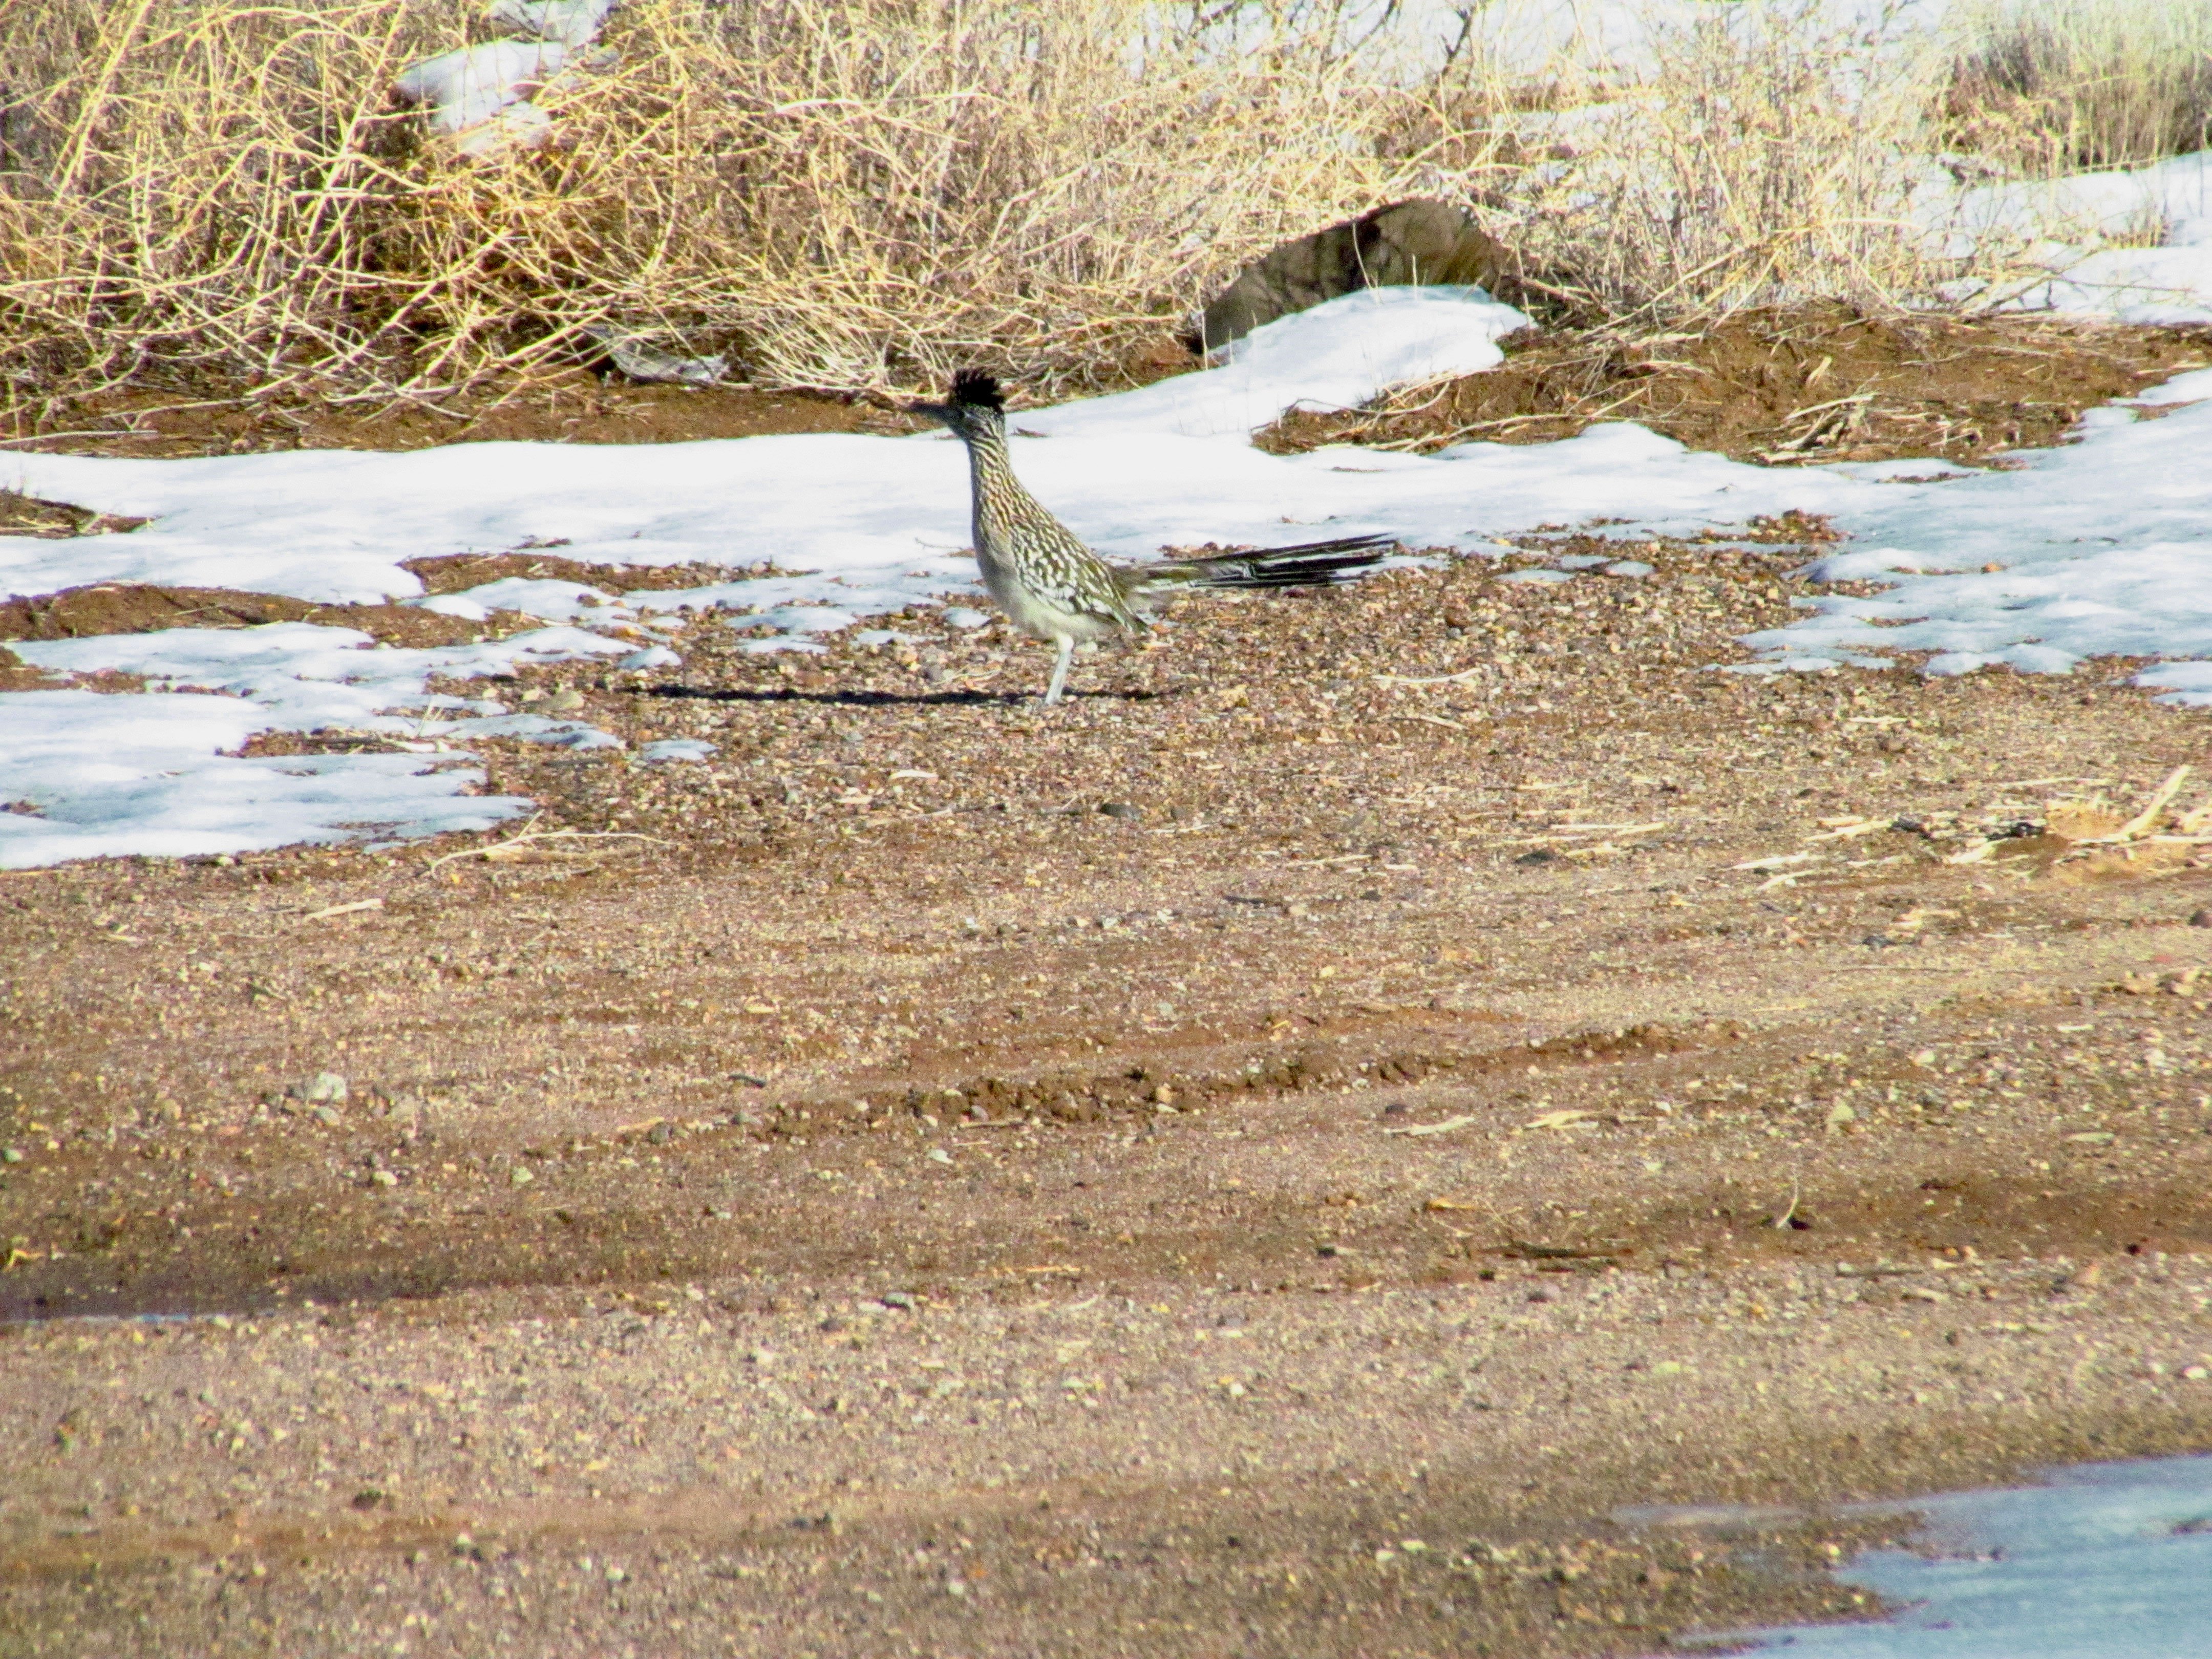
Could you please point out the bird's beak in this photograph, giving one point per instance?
(941, 413)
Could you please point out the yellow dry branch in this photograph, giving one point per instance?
(202, 194)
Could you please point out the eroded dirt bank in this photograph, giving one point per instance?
(1269, 1159)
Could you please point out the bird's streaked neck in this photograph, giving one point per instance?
(990, 471)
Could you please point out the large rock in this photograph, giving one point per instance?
(1405, 245)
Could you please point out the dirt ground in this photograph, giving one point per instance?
(1360, 1135)
(1786, 388)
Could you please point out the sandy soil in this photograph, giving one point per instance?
(1311, 1148)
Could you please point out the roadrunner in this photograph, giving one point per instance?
(1053, 587)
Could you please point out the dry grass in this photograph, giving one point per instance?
(1757, 155)
(850, 193)
(2065, 85)
(210, 196)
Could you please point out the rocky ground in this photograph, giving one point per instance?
(1358, 1134)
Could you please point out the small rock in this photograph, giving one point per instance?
(938, 1155)
(1839, 1115)
(2200, 919)
(567, 700)
(661, 1133)
(896, 1299)
(327, 1116)
(518, 1176)
(1122, 809)
(1541, 855)
(11, 1154)
(325, 1088)
(382, 1178)
(2087, 1279)
(1923, 1293)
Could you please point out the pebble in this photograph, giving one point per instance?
(518, 1176)
(567, 700)
(896, 1299)
(2200, 919)
(1122, 809)
(325, 1088)
(382, 1178)
(327, 1116)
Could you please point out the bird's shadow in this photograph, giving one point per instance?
(837, 699)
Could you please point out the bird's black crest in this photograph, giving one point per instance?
(973, 386)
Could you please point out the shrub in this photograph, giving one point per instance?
(846, 193)
(2065, 85)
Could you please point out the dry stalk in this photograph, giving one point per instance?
(206, 197)
(513, 846)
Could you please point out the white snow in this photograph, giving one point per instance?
(476, 92)
(304, 677)
(676, 749)
(146, 774)
(2069, 224)
(1335, 356)
(573, 22)
(2100, 548)
(478, 96)
(2104, 1561)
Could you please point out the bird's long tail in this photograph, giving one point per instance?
(1307, 564)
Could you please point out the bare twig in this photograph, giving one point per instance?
(513, 845)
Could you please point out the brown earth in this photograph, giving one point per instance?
(29, 515)
(570, 405)
(142, 607)
(1816, 383)
(1274, 1156)
(103, 608)
(1812, 384)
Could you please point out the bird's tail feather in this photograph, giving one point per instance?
(1307, 564)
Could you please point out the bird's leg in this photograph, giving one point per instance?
(1066, 643)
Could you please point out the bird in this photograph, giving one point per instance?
(1053, 587)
